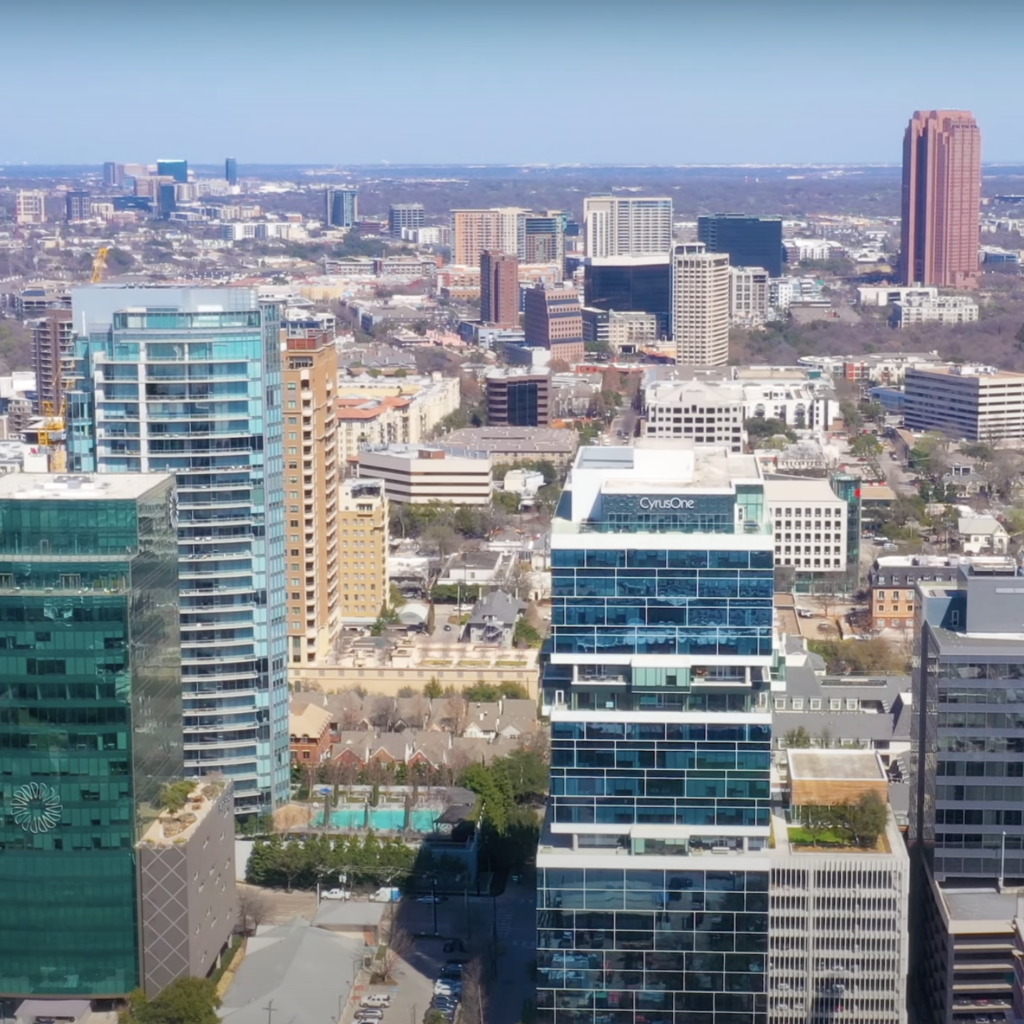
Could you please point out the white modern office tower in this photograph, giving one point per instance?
(627, 226)
(838, 942)
(188, 381)
(700, 305)
(653, 866)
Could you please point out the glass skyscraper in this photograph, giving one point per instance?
(653, 866)
(188, 381)
(90, 721)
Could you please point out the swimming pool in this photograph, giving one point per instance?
(383, 819)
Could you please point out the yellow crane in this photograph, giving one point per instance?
(53, 434)
(99, 264)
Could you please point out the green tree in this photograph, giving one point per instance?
(865, 446)
(816, 821)
(433, 689)
(759, 429)
(851, 416)
(863, 821)
(798, 737)
(524, 635)
(526, 772)
(184, 1001)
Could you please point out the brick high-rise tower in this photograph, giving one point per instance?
(941, 199)
(499, 288)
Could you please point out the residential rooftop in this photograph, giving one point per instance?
(179, 826)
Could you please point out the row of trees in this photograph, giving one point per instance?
(300, 863)
(856, 823)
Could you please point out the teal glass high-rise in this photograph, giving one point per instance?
(90, 721)
(653, 867)
(188, 381)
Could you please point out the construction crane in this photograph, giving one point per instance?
(53, 433)
(99, 264)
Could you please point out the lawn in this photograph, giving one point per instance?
(798, 834)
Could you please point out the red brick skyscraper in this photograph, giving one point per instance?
(941, 199)
(499, 289)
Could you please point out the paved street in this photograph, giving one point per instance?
(473, 920)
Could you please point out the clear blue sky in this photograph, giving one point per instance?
(500, 81)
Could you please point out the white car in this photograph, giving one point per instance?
(336, 894)
(380, 1000)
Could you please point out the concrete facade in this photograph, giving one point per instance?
(188, 904)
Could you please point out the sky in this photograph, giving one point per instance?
(370, 82)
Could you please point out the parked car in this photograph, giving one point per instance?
(371, 1014)
(336, 894)
(378, 999)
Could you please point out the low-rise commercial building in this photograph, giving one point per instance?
(893, 580)
(419, 475)
(978, 403)
(517, 399)
(810, 526)
(512, 444)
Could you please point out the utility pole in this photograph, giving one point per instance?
(270, 1011)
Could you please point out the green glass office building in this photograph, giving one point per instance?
(90, 722)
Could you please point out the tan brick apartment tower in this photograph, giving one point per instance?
(311, 495)
(940, 233)
(499, 289)
(363, 530)
(700, 305)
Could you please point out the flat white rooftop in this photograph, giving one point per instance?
(79, 487)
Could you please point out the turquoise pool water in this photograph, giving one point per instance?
(383, 819)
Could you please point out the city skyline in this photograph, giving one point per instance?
(756, 77)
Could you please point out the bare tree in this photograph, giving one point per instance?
(399, 946)
(382, 712)
(417, 711)
(456, 712)
(474, 991)
(253, 908)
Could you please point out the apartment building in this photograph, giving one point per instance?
(700, 305)
(499, 289)
(810, 525)
(893, 581)
(627, 226)
(837, 923)
(978, 403)
(418, 475)
(189, 381)
(51, 347)
(942, 309)
(309, 374)
(374, 411)
(363, 549)
(748, 295)
(474, 232)
(30, 207)
(629, 332)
